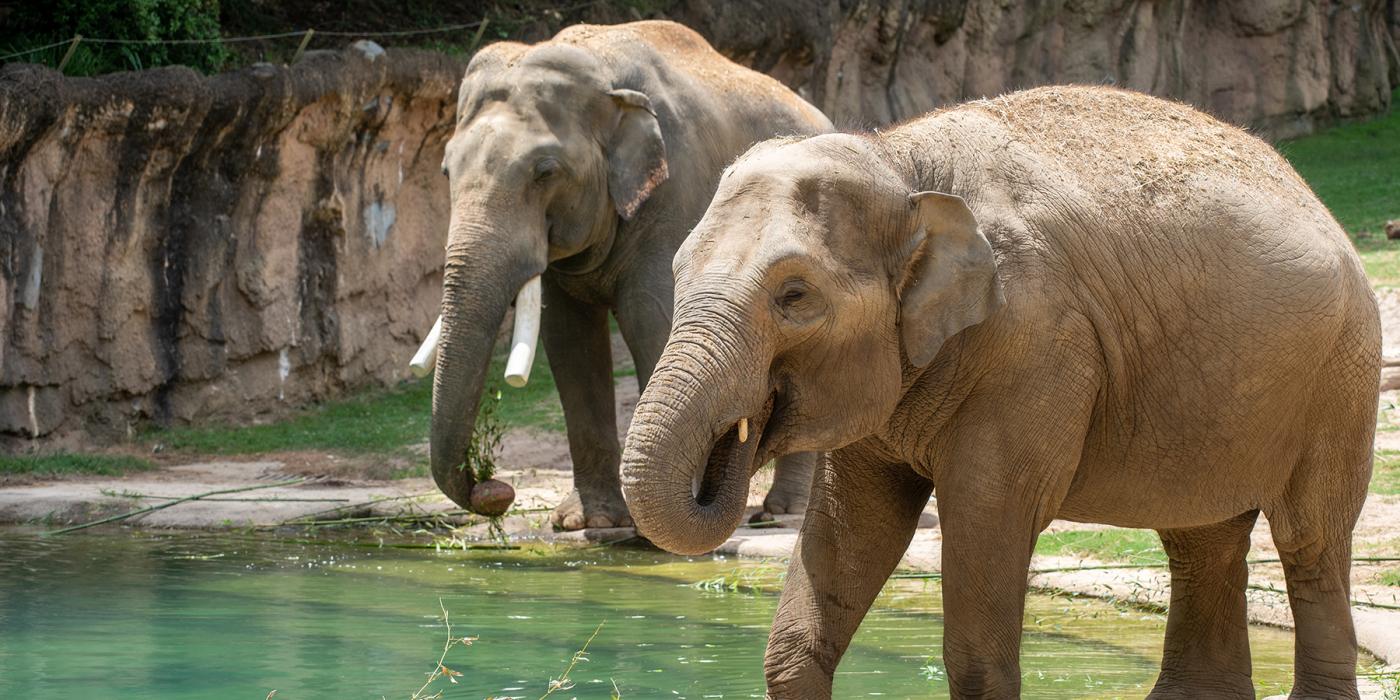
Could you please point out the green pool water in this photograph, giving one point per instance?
(138, 615)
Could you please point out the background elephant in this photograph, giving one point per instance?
(587, 159)
(1125, 312)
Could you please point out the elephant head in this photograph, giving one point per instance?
(817, 279)
(548, 155)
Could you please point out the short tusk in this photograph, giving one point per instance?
(525, 335)
(423, 361)
(743, 430)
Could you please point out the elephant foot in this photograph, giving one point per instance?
(780, 503)
(1219, 684)
(577, 512)
(792, 480)
(783, 499)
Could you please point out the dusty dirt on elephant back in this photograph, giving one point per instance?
(1170, 141)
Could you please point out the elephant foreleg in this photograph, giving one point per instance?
(580, 355)
(644, 318)
(859, 522)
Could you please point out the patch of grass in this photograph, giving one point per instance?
(1355, 171)
(1388, 680)
(376, 422)
(1385, 473)
(66, 464)
(379, 422)
(1389, 577)
(535, 405)
(1113, 545)
(1387, 417)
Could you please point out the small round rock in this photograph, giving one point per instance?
(492, 498)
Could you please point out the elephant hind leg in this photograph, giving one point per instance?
(792, 480)
(1207, 647)
(1312, 520)
(1312, 530)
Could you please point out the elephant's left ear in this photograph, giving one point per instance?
(950, 281)
(636, 153)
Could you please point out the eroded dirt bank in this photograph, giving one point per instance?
(174, 246)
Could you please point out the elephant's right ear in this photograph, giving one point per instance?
(636, 153)
(950, 278)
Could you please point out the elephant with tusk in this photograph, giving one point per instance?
(1077, 303)
(577, 167)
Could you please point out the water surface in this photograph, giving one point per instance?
(138, 615)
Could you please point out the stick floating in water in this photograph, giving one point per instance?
(426, 358)
(526, 334)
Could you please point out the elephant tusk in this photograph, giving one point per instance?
(525, 335)
(426, 357)
(743, 430)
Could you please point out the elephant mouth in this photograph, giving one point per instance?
(736, 455)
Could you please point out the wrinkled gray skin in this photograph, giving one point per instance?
(587, 159)
(1071, 303)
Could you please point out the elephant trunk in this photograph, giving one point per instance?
(694, 440)
(484, 271)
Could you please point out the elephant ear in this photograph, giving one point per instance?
(636, 153)
(950, 282)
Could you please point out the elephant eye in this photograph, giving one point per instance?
(546, 169)
(797, 301)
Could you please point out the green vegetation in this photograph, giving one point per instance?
(384, 422)
(1388, 680)
(70, 464)
(1111, 545)
(1385, 473)
(1390, 577)
(1355, 171)
(226, 34)
(32, 25)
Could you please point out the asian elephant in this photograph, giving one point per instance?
(586, 160)
(1075, 302)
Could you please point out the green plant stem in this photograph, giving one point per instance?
(579, 655)
(309, 521)
(392, 545)
(1354, 602)
(302, 522)
(163, 506)
(437, 672)
(153, 497)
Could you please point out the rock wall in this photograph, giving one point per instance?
(1280, 67)
(174, 246)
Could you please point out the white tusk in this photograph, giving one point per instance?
(743, 430)
(426, 357)
(525, 335)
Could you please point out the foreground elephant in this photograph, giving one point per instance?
(586, 160)
(1074, 303)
